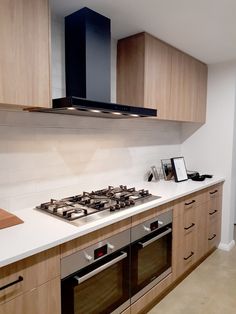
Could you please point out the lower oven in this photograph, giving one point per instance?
(96, 279)
(150, 253)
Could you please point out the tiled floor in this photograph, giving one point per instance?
(209, 289)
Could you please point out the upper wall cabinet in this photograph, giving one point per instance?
(24, 53)
(152, 74)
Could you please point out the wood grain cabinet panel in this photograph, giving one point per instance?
(34, 271)
(42, 300)
(188, 88)
(152, 74)
(24, 53)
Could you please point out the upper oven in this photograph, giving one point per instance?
(97, 279)
(151, 253)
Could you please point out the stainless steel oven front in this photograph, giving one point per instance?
(97, 279)
(151, 253)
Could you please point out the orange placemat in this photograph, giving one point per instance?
(8, 219)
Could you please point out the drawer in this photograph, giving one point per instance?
(213, 233)
(214, 193)
(42, 300)
(22, 276)
(184, 255)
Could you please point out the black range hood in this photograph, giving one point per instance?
(88, 70)
(84, 107)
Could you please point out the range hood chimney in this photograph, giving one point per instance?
(88, 70)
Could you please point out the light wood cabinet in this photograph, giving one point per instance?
(42, 300)
(151, 73)
(31, 285)
(196, 228)
(25, 53)
(188, 88)
(214, 204)
(143, 68)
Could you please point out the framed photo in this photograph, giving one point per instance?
(179, 169)
(167, 169)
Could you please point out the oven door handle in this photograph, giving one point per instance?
(144, 244)
(101, 268)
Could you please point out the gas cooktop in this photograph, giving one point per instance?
(87, 207)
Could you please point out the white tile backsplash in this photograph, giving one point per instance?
(45, 156)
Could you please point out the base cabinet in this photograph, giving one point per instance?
(44, 299)
(32, 285)
(196, 228)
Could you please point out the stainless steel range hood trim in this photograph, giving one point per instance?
(84, 107)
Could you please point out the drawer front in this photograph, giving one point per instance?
(22, 276)
(42, 300)
(213, 233)
(184, 255)
(214, 192)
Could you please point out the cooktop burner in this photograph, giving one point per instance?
(106, 200)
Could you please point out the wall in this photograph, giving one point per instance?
(45, 156)
(210, 148)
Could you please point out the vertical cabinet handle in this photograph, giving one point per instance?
(20, 278)
(191, 254)
(212, 213)
(214, 235)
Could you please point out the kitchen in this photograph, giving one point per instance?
(45, 155)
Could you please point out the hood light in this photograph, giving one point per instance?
(95, 111)
(134, 115)
(70, 108)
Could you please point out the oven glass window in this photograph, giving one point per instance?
(153, 260)
(96, 294)
(149, 261)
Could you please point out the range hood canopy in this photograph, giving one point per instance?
(84, 107)
(88, 70)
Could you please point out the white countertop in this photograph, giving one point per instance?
(40, 231)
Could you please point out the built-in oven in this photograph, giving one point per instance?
(150, 253)
(97, 279)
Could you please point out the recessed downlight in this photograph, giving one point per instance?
(134, 115)
(70, 108)
(117, 113)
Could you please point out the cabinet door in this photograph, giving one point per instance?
(188, 88)
(24, 53)
(157, 76)
(26, 274)
(130, 70)
(42, 300)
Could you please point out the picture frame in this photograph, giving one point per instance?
(179, 169)
(167, 169)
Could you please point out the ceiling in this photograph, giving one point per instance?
(206, 29)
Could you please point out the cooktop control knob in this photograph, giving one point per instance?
(146, 228)
(88, 257)
(110, 246)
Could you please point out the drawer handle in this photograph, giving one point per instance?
(193, 201)
(20, 278)
(192, 225)
(214, 235)
(213, 192)
(212, 213)
(185, 258)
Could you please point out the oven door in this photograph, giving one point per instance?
(151, 260)
(102, 287)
